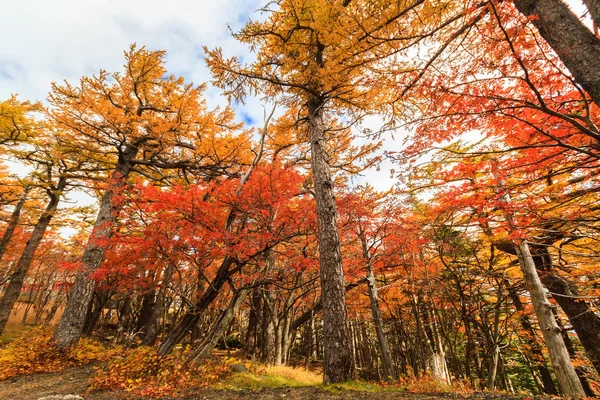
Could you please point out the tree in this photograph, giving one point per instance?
(565, 373)
(16, 120)
(13, 221)
(370, 224)
(302, 63)
(577, 47)
(141, 121)
(55, 171)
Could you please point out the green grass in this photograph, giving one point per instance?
(259, 377)
(271, 377)
(358, 386)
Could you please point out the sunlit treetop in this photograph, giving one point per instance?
(17, 122)
(347, 52)
(147, 118)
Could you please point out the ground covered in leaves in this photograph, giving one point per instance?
(32, 368)
(76, 381)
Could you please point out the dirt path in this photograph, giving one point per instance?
(74, 382)
(71, 381)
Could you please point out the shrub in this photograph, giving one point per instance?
(144, 373)
(36, 352)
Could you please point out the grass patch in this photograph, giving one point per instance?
(271, 377)
(360, 386)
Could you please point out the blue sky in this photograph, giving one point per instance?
(56, 40)
(45, 41)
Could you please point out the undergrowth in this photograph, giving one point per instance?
(142, 372)
(36, 352)
(259, 377)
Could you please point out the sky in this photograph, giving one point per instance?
(57, 40)
(46, 41)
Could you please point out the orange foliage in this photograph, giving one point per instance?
(143, 372)
(36, 352)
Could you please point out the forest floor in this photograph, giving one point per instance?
(284, 382)
(73, 383)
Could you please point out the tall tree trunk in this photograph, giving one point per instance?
(565, 373)
(534, 346)
(338, 365)
(268, 344)
(311, 350)
(14, 221)
(18, 276)
(568, 380)
(191, 317)
(251, 339)
(151, 324)
(71, 324)
(219, 327)
(577, 47)
(493, 368)
(389, 371)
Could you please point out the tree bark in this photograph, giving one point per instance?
(565, 373)
(18, 276)
(71, 324)
(191, 317)
(389, 371)
(219, 327)
(577, 47)
(338, 365)
(535, 348)
(13, 222)
(151, 324)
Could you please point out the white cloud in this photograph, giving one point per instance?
(55, 40)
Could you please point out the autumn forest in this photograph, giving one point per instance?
(217, 247)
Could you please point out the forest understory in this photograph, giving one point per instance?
(75, 382)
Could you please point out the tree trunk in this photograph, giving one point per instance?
(534, 346)
(268, 344)
(151, 324)
(191, 317)
(565, 373)
(219, 327)
(493, 368)
(13, 222)
(251, 339)
(338, 365)
(57, 302)
(70, 327)
(18, 276)
(389, 371)
(577, 47)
